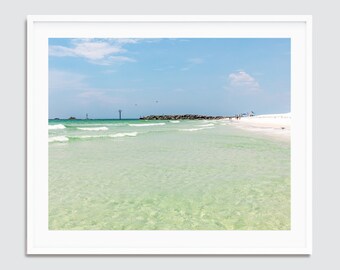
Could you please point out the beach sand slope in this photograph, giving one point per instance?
(275, 125)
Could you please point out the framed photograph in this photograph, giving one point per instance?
(169, 134)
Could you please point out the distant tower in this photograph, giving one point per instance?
(120, 114)
(87, 116)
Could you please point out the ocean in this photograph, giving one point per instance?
(166, 175)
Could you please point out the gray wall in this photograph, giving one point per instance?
(12, 140)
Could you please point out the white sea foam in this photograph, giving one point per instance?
(206, 125)
(146, 125)
(194, 129)
(175, 121)
(58, 139)
(190, 129)
(117, 135)
(59, 126)
(87, 136)
(129, 134)
(94, 128)
(109, 124)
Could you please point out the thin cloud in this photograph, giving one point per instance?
(89, 50)
(109, 71)
(65, 81)
(73, 84)
(136, 40)
(191, 62)
(95, 51)
(127, 40)
(111, 60)
(242, 80)
(105, 96)
(195, 61)
(165, 68)
(99, 96)
(185, 69)
(178, 90)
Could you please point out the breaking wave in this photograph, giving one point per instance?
(66, 139)
(206, 125)
(194, 129)
(59, 126)
(58, 139)
(147, 125)
(94, 128)
(129, 134)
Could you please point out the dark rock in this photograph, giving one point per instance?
(182, 117)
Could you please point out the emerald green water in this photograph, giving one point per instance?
(191, 175)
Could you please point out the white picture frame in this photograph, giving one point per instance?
(40, 240)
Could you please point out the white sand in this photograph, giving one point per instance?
(275, 125)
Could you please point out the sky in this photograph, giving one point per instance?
(207, 76)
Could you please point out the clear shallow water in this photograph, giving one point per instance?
(162, 175)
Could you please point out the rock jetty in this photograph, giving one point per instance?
(181, 117)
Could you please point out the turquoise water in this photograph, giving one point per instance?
(163, 175)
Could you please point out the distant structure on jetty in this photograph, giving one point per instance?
(183, 116)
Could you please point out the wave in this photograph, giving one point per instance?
(108, 124)
(59, 126)
(175, 121)
(94, 128)
(58, 139)
(117, 135)
(129, 134)
(194, 129)
(146, 125)
(66, 139)
(87, 136)
(190, 129)
(206, 125)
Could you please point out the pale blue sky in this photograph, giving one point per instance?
(207, 76)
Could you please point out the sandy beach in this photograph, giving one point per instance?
(274, 125)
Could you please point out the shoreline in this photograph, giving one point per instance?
(273, 125)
